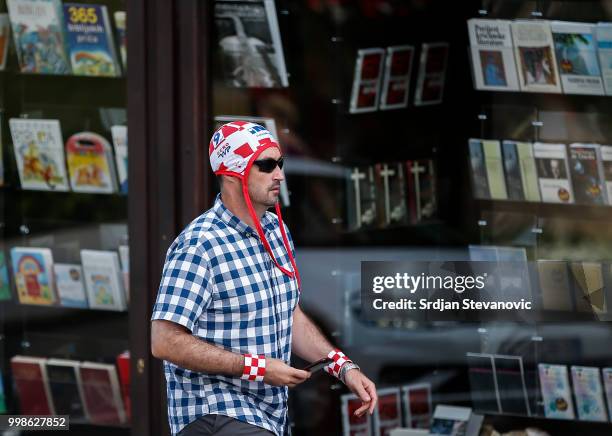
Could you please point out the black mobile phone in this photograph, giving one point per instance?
(319, 364)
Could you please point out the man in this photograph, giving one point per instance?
(227, 316)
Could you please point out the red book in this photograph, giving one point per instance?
(102, 393)
(123, 364)
(30, 376)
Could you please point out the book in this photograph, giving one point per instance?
(396, 81)
(529, 176)
(421, 190)
(417, 408)
(65, 388)
(251, 51)
(391, 186)
(351, 424)
(123, 367)
(450, 420)
(33, 273)
(589, 290)
(70, 286)
(124, 259)
(120, 25)
(362, 205)
(512, 390)
(486, 164)
(576, 53)
(512, 171)
(556, 393)
(555, 288)
(5, 284)
(587, 174)
(603, 36)
(103, 280)
(388, 411)
(3, 408)
(478, 173)
(483, 383)
(5, 32)
(90, 163)
(120, 142)
(367, 78)
(513, 274)
(588, 393)
(432, 73)
(607, 381)
(553, 173)
(89, 40)
(606, 158)
(39, 152)
(32, 384)
(492, 55)
(38, 35)
(102, 393)
(535, 56)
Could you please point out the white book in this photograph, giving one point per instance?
(124, 257)
(576, 52)
(120, 141)
(69, 284)
(388, 411)
(39, 152)
(606, 160)
(603, 33)
(529, 173)
(492, 55)
(556, 393)
(367, 78)
(103, 280)
(446, 418)
(553, 173)
(588, 393)
(607, 381)
(535, 56)
(396, 82)
(5, 32)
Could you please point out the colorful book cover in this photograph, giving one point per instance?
(89, 40)
(603, 33)
(512, 170)
(576, 53)
(5, 31)
(554, 285)
(478, 173)
(421, 190)
(38, 35)
(492, 55)
(366, 81)
(39, 152)
(450, 420)
(556, 392)
(607, 381)
(123, 366)
(70, 286)
(102, 393)
(33, 273)
(362, 203)
(119, 134)
(396, 82)
(606, 158)
(103, 280)
(65, 388)
(553, 173)
(587, 174)
(589, 290)
(351, 424)
(417, 405)
(535, 56)
(89, 166)
(5, 284)
(432, 73)
(388, 411)
(30, 378)
(392, 199)
(589, 394)
(120, 25)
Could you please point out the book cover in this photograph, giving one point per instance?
(487, 169)
(589, 290)
(555, 288)
(396, 82)
(89, 40)
(553, 173)
(556, 392)
(492, 55)
(123, 367)
(31, 382)
(103, 280)
(102, 393)
(351, 424)
(529, 173)
(432, 73)
(513, 274)
(39, 152)
(606, 158)
(5, 31)
(33, 273)
(120, 141)
(535, 56)
(89, 166)
(387, 414)
(512, 170)
(478, 173)
(250, 46)
(483, 383)
(70, 286)
(365, 93)
(5, 284)
(603, 33)
(450, 420)
(587, 174)
(362, 204)
(588, 393)
(607, 381)
(120, 25)
(421, 190)
(3, 408)
(512, 389)
(124, 258)
(417, 405)
(390, 185)
(38, 35)
(576, 52)
(65, 388)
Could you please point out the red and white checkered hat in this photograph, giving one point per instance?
(232, 150)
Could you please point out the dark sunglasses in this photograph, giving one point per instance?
(268, 165)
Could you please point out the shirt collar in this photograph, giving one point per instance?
(233, 221)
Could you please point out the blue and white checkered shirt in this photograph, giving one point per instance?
(220, 283)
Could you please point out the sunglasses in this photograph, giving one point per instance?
(268, 165)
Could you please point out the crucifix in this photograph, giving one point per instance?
(357, 177)
(385, 173)
(416, 169)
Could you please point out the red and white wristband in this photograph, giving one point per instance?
(254, 367)
(339, 359)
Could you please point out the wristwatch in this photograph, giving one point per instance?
(346, 368)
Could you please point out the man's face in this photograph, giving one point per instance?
(264, 188)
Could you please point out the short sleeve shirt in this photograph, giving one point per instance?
(220, 283)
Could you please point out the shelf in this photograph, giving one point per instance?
(506, 423)
(546, 210)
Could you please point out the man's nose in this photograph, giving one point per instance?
(278, 174)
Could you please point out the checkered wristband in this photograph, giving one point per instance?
(339, 359)
(254, 367)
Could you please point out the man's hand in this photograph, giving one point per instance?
(278, 373)
(363, 387)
